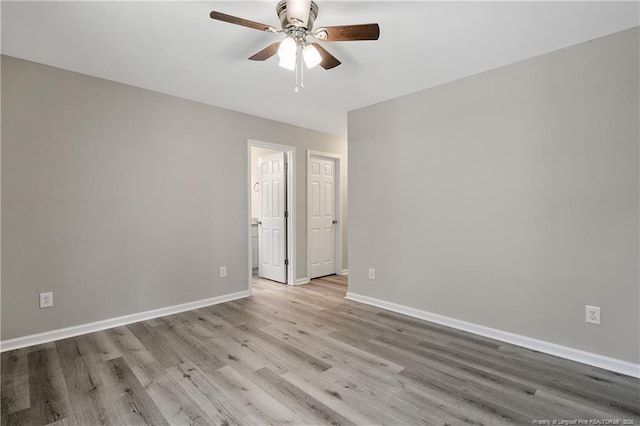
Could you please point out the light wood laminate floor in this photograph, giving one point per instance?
(301, 355)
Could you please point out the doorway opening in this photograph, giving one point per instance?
(271, 213)
(324, 208)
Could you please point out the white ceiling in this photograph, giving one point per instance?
(175, 48)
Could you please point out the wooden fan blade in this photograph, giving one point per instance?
(219, 16)
(328, 60)
(351, 32)
(298, 10)
(266, 53)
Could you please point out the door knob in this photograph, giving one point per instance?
(335, 221)
(259, 222)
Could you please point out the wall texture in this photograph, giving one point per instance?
(122, 200)
(508, 199)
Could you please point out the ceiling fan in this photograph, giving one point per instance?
(296, 19)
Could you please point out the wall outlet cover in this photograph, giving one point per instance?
(223, 271)
(46, 300)
(372, 274)
(592, 314)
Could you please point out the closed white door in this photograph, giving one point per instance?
(322, 216)
(272, 221)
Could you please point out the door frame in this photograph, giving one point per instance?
(290, 156)
(338, 206)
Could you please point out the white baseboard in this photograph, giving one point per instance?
(345, 272)
(589, 358)
(301, 281)
(64, 333)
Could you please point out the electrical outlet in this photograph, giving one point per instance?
(372, 274)
(223, 271)
(592, 314)
(46, 300)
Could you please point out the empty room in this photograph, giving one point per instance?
(320, 212)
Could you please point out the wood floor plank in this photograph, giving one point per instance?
(507, 397)
(355, 326)
(175, 404)
(18, 418)
(276, 298)
(83, 384)
(492, 382)
(265, 313)
(438, 391)
(627, 403)
(291, 312)
(228, 351)
(558, 376)
(408, 399)
(237, 313)
(187, 347)
(365, 392)
(252, 399)
(419, 326)
(97, 347)
(271, 346)
(320, 389)
(127, 401)
(333, 351)
(210, 398)
(153, 322)
(458, 367)
(569, 406)
(243, 358)
(301, 355)
(48, 394)
(127, 344)
(459, 390)
(309, 410)
(214, 323)
(153, 343)
(281, 357)
(40, 347)
(573, 371)
(14, 381)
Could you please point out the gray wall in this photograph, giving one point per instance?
(508, 199)
(122, 200)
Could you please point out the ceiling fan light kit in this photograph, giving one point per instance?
(311, 56)
(288, 47)
(288, 62)
(296, 19)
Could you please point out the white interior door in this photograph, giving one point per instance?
(322, 216)
(272, 221)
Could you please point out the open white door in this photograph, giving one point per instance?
(322, 216)
(272, 225)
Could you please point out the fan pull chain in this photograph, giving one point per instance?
(296, 71)
(299, 70)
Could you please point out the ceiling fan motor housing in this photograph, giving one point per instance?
(281, 10)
